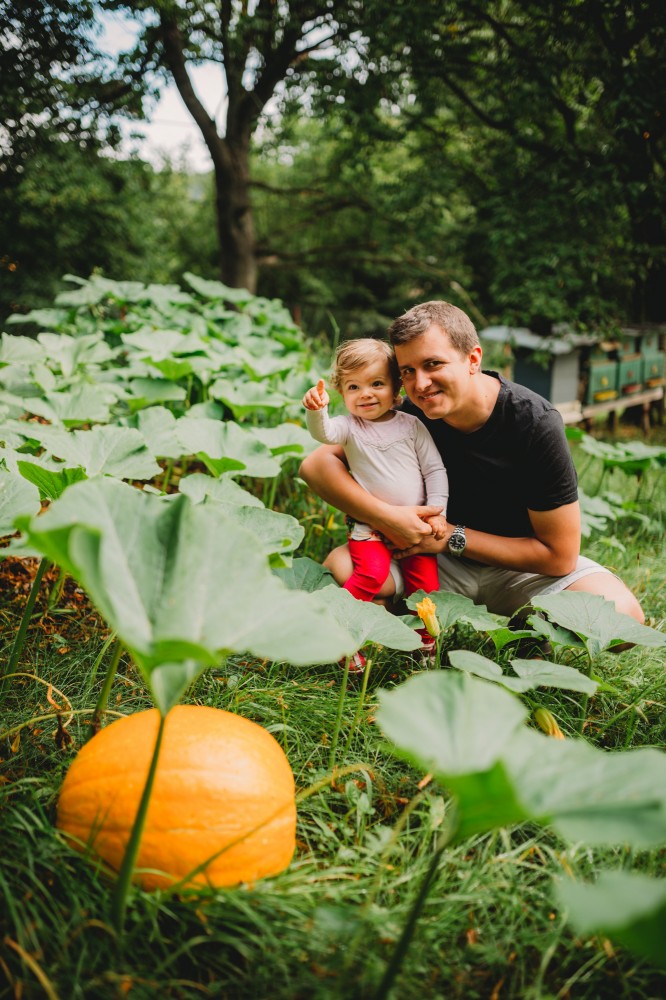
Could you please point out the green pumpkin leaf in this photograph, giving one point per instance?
(179, 582)
(286, 440)
(159, 345)
(306, 574)
(247, 397)
(458, 727)
(173, 369)
(157, 426)
(209, 410)
(555, 634)
(474, 663)
(18, 498)
(199, 488)
(216, 290)
(46, 318)
(103, 450)
(469, 732)
(588, 794)
(15, 350)
(504, 636)
(234, 446)
(164, 297)
(80, 405)
(263, 366)
(369, 622)
(278, 533)
(531, 673)
(170, 681)
(148, 391)
(70, 353)
(485, 801)
(450, 723)
(596, 622)
(51, 483)
(542, 673)
(628, 907)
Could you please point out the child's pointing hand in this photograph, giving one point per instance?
(317, 397)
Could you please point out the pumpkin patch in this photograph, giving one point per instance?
(223, 800)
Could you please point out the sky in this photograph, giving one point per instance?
(170, 130)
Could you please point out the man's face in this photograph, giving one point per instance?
(435, 376)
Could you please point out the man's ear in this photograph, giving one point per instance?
(475, 357)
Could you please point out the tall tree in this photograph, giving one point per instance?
(260, 46)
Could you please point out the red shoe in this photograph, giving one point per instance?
(356, 664)
(428, 651)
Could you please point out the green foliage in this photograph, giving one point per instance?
(73, 209)
(628, 906)
(595, 621)
(153, 568)
(559, 124)
(530, 673)
(368, 227)
(469, 732)
(17, 498)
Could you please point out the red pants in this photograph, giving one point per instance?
(372, 560)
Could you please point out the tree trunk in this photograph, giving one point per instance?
(235, 223)
(230, 156)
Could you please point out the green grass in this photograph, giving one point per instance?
(327, 926)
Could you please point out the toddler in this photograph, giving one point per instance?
(389, 453)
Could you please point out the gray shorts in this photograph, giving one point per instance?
(502, 591)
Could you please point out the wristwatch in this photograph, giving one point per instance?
(457, 541)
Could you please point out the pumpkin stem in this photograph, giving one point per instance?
(121, 892)
(19, 641)
(106, 688)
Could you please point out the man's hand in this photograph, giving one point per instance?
(428, 545)
(406, 527)
(439, 526)
(316, 398)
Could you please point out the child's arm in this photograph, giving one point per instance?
(323, 428)
(434, 476)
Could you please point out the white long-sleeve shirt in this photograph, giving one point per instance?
(395, 460)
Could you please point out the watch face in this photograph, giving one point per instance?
(457, 541)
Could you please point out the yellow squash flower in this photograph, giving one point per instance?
(546, 720)
(427, 612)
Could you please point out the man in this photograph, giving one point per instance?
(513, 519)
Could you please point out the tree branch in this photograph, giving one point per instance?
(535, 68)
(174, 53)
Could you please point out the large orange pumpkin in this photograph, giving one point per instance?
(223, 784)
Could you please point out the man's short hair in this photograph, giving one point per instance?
(452, 320)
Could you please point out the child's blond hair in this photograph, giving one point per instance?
(354, 354)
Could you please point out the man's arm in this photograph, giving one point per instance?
(325, 472)
(553, 550)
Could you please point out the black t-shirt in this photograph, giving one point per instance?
(518, 460)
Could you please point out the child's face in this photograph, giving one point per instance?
(368, 392)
